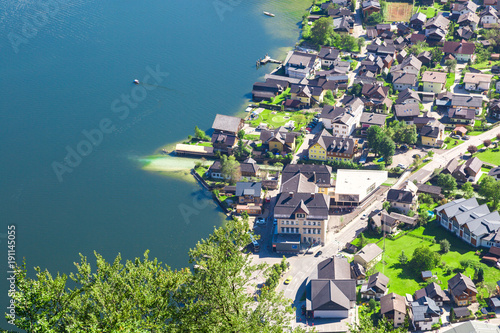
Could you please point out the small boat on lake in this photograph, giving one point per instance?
(269, 14)
(136, 81)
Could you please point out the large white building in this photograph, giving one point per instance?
(353, 186)
(342, 120)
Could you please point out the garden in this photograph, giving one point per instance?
(280, 118)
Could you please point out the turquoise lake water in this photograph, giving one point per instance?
(66, 74)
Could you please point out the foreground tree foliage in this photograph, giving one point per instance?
(147, 296)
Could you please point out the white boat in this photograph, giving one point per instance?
(136, 81)
(269, 14)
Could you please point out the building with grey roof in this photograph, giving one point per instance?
(425, 313)
(393, 307)
(433, 291)
(406, 112)
(368, 255)
(376, 286)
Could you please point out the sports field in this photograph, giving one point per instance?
(398, 11)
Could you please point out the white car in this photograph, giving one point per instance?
(260, 220)
(402, 166)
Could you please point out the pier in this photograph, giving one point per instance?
(267, 59)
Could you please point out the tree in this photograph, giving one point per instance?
(424, 259)
(436, 55)
(362, 240)
(356, 88)
(403, 259)
(468, 190)
(366, 324)
(410, 135)
(375, 18)
(451, 64)
(386, 205)
(322, 31)
(472, 149)
(199, 134)
(444, 245)
(372, 304)
(374, 135)
(241, 134)
(487, 143)
(230, 169)
(490, 189)
(147, 296)
(447, 182)
(387, 149)
(480, 274)
(423, 218)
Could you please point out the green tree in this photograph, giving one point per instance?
(230, 168)
(444, 245)
(362, 240)
(386, 205)
(436, 55)
(199, 134)
(366, 324)
(451, 64)
(424, 259)
(387, 149)
(447, 182)
(468, 190)
(146, 296)
(241, 134)
(410, 135)
(372, 304)
(403, 259)
(356, 89)
(322, 31)
(375, 18)
(490, 189)
(374, 135)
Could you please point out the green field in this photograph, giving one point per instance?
(404, 280)
(450, 79)
(491, 155)
(279, 118)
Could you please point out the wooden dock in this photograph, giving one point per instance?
(267, 59)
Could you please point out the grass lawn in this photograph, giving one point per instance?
(474, 133)
(279, 118)
(254, 137)
(430, 12)
(491, 155)
(485, 64)
(450, 79)
(453, 143)
(404, 280)
(281, 97)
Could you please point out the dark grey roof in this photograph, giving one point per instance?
(392, 302)
(462, 312)
(329, 53)
(334, 268)
(424, 308)
(494, 172)
(336, 144)
(357, 270)
(315, 205)
(401, 196)
(407, 94)
(249, 167)
(461, 283)
(432, 290)
(373, 118)
(378, 282)
(432, 130)
(298, 184)
(404, 78)
(332, 294)
(248, 188)
(474, 164)
(424, 188)
(369, 252)
(281, 134)
(319, 174)
(226, 123)
(467, 101)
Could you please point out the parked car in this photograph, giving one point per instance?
(402, 166)
(318, 253)
(288, 280)
(455, 136)
(260, 220)
(466, 137)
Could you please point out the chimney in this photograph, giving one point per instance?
(314, 176)
(290, 194)
(312, 195)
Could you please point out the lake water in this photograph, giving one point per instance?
(66, 74)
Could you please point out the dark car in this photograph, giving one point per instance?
(318, 253)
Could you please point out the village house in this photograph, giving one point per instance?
(368, 255)
(462, 290)
(465, 32)
(358, 272)
(393, 307)
(301, 65)
(278, 140)
(404, 199)
(248, 194)
(461, 115)
(406, 112)
(389, 222)
(424, 313)
(326, 147)
(425, 57)
(342, 120)
(495, 173)
(248, 168)
(462, 51)
(494, 108)
(409, 65)
(489, 15)
(304, 215)
(433, 191)
(471, 222)
(226, 128)
(469, 102)
(408, 96)
(267, 90)
(376, 96)
(328, 56)
(469, 19)
(306, 95)
(432, 134)
(458, 8)
(434, 292)
(474, 81)
(417, 21)
(369, 119)
(369, 7)
(352, 187)
(436, 28)
(404, 80)
(433, 81)
(376, 286)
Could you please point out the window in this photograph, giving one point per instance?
(309, 223)
(319, 223)
(301, 216)
(305, 222)
(282, 230)
(314, 223)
